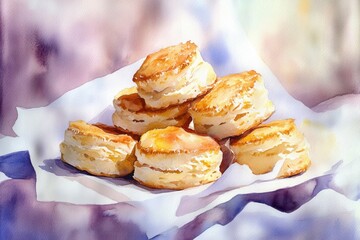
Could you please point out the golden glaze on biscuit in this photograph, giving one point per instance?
(267, 132)
(170, 59)
(173, 158)
(98, 149)
(130, 100)
(237, 103)
(132, 115)
(175, 140)
(226, 93)
(173, 75)
(261, 148)
(99, 131)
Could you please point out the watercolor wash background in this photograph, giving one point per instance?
(43, 59)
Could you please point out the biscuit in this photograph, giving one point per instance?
(262, 147)
(237, 103)
(98, 149)
(173, 75)
(173, 158)
(131, 114)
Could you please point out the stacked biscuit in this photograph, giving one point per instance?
(131, 114)
(175, 86)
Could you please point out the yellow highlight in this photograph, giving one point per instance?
(304, 8)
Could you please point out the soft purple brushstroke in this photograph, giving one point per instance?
(284, 200)
(338, 101)
(23, 217)
(49, 47)
(45, 62)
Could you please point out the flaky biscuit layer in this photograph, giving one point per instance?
(98, 149)
(154, 178)
(237, 103)
(269, 143)
(182, 162)
(132, 115)
(173, 158)
(174, 75)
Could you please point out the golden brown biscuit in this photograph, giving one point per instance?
(173, 158)
(131, 114)
(98, 149)
(262, 147)
(237, 103)
(173, 75)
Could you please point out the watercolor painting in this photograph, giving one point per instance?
(66, 60)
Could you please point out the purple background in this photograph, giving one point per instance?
(50, 47)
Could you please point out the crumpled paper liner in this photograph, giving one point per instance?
(40, 130)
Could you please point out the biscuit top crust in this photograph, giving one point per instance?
(170, 59)
(264, 132)
(227, 92)
(175, 140)
(129, 100)
(99, 130)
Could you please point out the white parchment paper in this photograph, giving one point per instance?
(333, 136)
